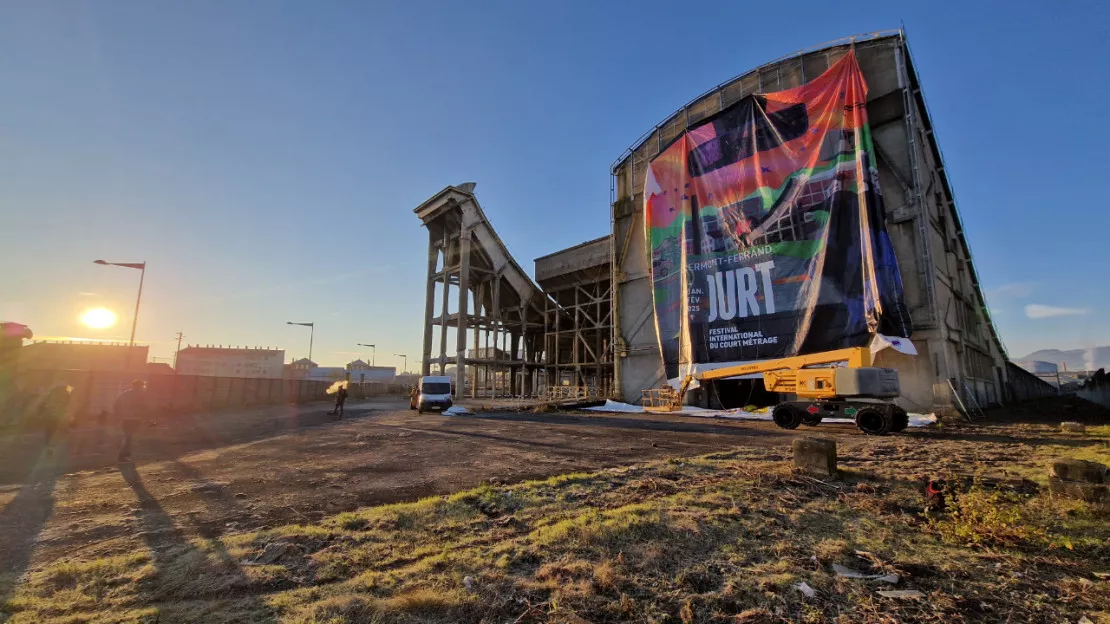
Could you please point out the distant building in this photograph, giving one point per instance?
(299, 369)
(12, 336)
(361, 372)
(326, 373)
(158, 368)
(248, 362)
(1038, 367)
(91, 356)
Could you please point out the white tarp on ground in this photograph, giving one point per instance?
(916, 420)
(455, 410)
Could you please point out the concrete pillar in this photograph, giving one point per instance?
(514, 348)
(443, 315)
(429, 308)
(464, 290)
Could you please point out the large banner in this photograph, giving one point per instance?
(766, 229)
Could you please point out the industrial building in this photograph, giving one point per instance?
(221, 361)
(588, 318)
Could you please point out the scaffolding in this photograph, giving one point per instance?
(504, 336)
(578, 333)
(491, 305)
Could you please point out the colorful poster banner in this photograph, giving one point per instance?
(766, 229)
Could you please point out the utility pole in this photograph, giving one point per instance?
(178, 352)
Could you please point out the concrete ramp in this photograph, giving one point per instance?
(496, 310)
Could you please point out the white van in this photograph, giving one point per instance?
(435, 393)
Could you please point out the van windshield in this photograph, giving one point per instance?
(437, 387)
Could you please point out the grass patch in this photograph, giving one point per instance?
(724, 537)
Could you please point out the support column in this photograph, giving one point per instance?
(474, 369)
(486, 380)
(599, 354)
(464, 289)
(429, 309)
(514, 387)
(498, 368)
(558, 339)
(577, 339)
(446, 295)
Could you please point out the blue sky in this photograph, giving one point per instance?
(265, 157)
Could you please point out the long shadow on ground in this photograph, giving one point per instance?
(182, 571)
(21, 522)
(176, 435)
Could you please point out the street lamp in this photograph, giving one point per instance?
(401, 355)
(141, 266)
(373, 352)
(311, 335)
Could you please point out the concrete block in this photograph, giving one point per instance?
(1077, 478)
(815, 455)
(1072, 427)
(1078, 470)
(1093, 492)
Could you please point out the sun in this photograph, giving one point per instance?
(98, 318)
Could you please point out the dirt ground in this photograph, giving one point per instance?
(227, 473)
(235, 471)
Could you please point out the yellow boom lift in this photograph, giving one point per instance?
(839, 383)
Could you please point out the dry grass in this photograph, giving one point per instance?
(722, 538)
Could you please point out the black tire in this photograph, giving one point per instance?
(900, 419)
(810, 420)
(873, 422)
(786, 416)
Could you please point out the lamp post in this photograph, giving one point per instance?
(401, 355)
(373, 352)
(311, 335)
(141, 266)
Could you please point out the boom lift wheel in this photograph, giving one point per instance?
(786, 416)
(900, 419)
(873, 421)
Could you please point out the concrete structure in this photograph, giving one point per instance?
(578, 332)
(90, 356)
(593, 323)
(478, 297)
(1095, 388)
(953, 333)
(815, 455)
(248, 362)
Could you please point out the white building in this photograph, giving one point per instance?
(361, 372)
(247, 362)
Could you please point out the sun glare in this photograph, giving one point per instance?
(99, 318)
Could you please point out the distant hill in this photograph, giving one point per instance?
(1075, 359)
